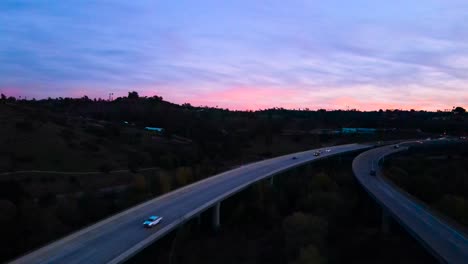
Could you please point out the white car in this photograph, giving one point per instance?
(152, 221)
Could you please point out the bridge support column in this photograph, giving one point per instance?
(272, 180)
(199, 219)
(216, 222)
(386, 218)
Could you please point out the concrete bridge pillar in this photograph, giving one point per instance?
(199, 219)
(216, 212)
(386, 218)
(272, 180)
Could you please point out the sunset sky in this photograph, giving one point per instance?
(242, 54)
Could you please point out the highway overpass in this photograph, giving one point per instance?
(446, 243)
(119, 237)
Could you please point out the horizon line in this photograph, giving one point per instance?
(100, 99)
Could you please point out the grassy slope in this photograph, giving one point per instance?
(70, 145)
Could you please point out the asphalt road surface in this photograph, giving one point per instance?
(443, 241)
(115, 239)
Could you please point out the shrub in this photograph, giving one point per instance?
(113, 130)
(105, 168)
(25, 126)
(165, 182)
(23, 158)
(183, 176)
(67, 134)
(60, 120)
(47, 200)
(73, 180)
(455, 206)
(96, 131)
(12, 190)
(7, 210)
(310, 254)
(140, 183)
(133, 166)
(302, 229)
(90, 146)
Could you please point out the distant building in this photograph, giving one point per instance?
(127, 123)
(155, 129)
(293, 132)
(324, 131)
(353, 130)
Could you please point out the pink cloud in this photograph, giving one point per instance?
(82, 91)
(10, 91)
(255, 97)
(248, 98)
(376, 104)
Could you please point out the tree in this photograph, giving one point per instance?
(322, 202)
(156, 98)
(455, 206)
(133, 165)
(140, 183)
(67, 212)
(323, 182)
(310, 255)
(48, 199)
(302, 229)
(133, 95)
(7, 211)
(459, 110)
(165, 182)
(183, 176)
(105, 167)
(4, 97)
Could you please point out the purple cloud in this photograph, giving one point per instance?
(396, 54)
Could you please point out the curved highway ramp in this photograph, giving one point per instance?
(119, 237)
(444, 242)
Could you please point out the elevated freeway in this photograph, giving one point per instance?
(117, 238)
(445, 242)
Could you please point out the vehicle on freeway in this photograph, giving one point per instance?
(316, 153)
(372, 172)
(328, 150)
(294, 157)
(152, 221)
(396, 146)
